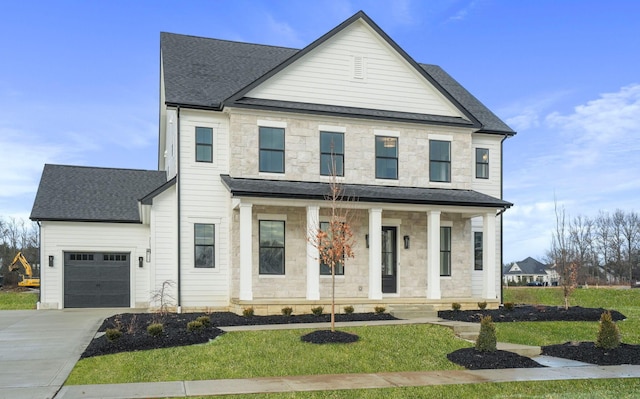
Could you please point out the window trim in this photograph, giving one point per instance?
(396, 158)
(271, 150)
(199, 145)
(284, 254)
(439, 162)
(196, 245)
(334, 154)
(480, 162)
(478, 261)
(442, 251)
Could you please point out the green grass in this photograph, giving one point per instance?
(18, 300)
(278, 353)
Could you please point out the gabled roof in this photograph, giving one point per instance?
(79, 193)
(527, 266)
(211, 74)
(246, 187)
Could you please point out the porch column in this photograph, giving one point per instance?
(489, 255)
(375, 253)
(433, 255)
(313, 262)
(246, 252)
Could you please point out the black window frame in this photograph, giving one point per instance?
(482, 165)
(203, 145)
(477, 250)
(382, 157)
(445, 253)
(325, 270)
(332, 154)
(436, 163)
(263, 248)
(266, 149)
(197, 247)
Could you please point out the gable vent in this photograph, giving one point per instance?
(358, 67)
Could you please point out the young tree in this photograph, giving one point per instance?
(563, 255)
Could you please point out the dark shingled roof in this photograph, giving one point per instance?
(79, 193)
(527, 266)
(207, 73)
(243, 187)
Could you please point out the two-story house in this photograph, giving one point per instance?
(247, 136)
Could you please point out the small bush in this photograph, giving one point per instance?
(287, 310)
(482, 305)
(194, 325)
(456, 306)
(487, 340)
(509, 305)
(379, 309)
(348, 309)
(113, 334)
(317, 310)
(608, 333)
(205, 320)
(247, 312)
(155, 329)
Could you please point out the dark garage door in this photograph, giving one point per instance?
(96, 279)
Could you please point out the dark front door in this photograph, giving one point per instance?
(389, 256)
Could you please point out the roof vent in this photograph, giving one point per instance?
(358, 67)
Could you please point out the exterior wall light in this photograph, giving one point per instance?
(366, 239)
(140, 261)
(50, 260)
(406, 242)
(148, 255)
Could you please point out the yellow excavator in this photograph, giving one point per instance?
(27, 279)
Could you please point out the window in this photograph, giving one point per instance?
(331, 154)
(271, 149)
(204, 144)
(325, 270)
(271, 247)
(112, 257)
(477, 250)
(386, 157)
(439, 161)
(445, 251)
(204, 250)
(482, 163)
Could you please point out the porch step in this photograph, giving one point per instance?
(414, 311)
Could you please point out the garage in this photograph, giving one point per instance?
(96, 279)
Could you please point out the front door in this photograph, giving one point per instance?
(389, 256)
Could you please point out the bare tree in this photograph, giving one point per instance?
(581, 240)
(602, 228)
(631, 234)
(562, 254)
(616, 241)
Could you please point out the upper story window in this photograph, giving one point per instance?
(386, 157)
(445, 251)
(271, 252)
(440, 161)
(204, 144)
(324, 268)
(331, 154)
(271, 149)
(477, 250)
(204, 245)
(482, 163)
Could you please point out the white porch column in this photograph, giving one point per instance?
(313, 263)
(433, 255)
(489, 256)
(375, 253)
(246, 253)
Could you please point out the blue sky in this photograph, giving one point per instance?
(79, 85)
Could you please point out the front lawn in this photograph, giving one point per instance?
(10, 300)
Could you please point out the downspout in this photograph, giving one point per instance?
(179, 309)
(41, 263)
(500, 214)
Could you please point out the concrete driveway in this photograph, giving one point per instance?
(38, 348)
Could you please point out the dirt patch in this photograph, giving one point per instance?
(530, 313)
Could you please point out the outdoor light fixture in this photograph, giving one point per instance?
(50, 260)
(406, 242)
(148, 255)
(140, 261)
(366, 238)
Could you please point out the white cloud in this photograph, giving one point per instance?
(283, 33)
(463, 13)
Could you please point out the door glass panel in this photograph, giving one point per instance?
(388, 252)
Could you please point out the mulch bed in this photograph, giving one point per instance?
(588, 353)
(530, 313)
(472, 359)
(329, 337)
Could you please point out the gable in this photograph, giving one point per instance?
(356, 68)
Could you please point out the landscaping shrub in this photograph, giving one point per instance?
(247, 312)
(456, 306)
(287, 310)
(487, 340)
(379, 309)
(113, 334)
(608, 333)
(509, 305)
(155, 329)
(348, 309)
(317, 310)
(205, 320)
(194, 325)
(482, 305)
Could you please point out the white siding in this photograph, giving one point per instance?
(60, 237)
(164, 241)
(326, 76)
(204, 199)
(490, 186)
(170, 134)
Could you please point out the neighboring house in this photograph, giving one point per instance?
(246, 132)
(530, 270)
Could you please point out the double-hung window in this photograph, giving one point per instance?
(386, 157)
(271, 149)
(482, 163)
(271, 252)
(439, 161)
(325, 269)
(477, 250)
(331, 154)
(204, 240)
(445, 251)
(204, 144)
